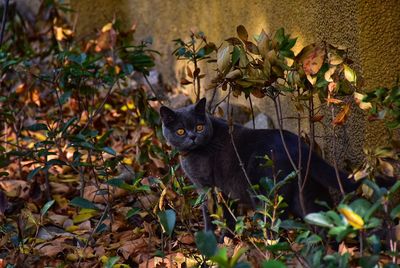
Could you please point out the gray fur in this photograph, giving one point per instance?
(210, 159)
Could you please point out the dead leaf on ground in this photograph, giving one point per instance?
(15, 188)
(343, 249)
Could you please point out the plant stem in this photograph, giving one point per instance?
(252, 112)
(312, 139)
(335, 166)
(280, 123)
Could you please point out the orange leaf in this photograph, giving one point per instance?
(333, 100)
(342, 115)
(35, 96)
(184, 81)
(343, 249)
(317, 118)
(20, 88)
(189, 71)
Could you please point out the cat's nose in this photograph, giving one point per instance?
(192, 137)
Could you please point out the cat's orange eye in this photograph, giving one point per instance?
(180, 131)
(199, 128)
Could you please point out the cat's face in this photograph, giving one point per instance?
(186, 128)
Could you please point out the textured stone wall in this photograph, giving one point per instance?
(370, 29)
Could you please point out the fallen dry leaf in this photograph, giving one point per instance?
(15, 188)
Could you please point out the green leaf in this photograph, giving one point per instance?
(279, 35)
(235, 258)
(221, 258)
(109, 150)
(360, 206)
(273, 264)
(395, 213)
(37, 127)
(46, 207)
(369, 261)
(206, 243)
(120, 183)
(33, 173)
(319, 219)
(82, 203)
(111, 262)
(291, 225)
(65, 96)
(167, 220)
(68, 124)
(132, 212)
(235, 55)
(281, 246)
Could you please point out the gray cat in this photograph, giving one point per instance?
(209, 159)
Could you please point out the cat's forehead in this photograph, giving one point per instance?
(188, 116)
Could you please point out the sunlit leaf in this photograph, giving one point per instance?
(329, 73)
(358, 98)
(349, 74)
(223, 59)
(342, 115)
(312, 58)
(352, 218)
(334, 58)
(107, 27)
(386, 168)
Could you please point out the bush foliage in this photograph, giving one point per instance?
(87, 180)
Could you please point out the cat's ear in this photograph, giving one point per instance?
(200, 107)
(167, 115)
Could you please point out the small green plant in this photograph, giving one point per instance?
(194, 51)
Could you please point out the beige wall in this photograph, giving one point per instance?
(370, 29)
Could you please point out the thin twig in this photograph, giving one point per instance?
(3, 21)
(234, 145)
(252, 112)
(335, 166)
(312, 139)
(300, 178)
(152, 89)
(278, 114)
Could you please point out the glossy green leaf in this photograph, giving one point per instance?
(46, 207)
(37, 127)
(273, 264)
(82, 203)
(111, 262)
(319, 219)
